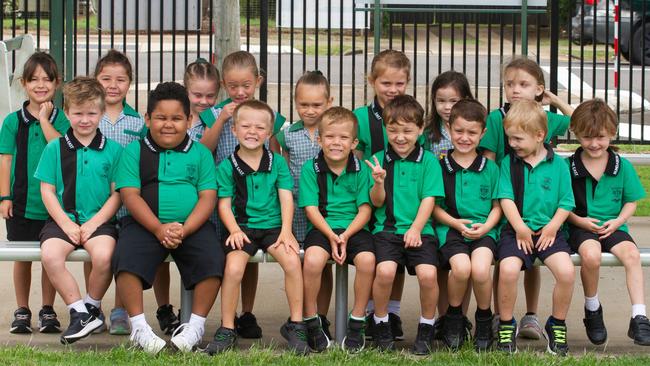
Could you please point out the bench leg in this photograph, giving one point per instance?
(186, 304)
(341, 302)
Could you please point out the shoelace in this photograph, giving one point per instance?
(22, 317)
(559, 334)
(187, 331)
(505, 335)
(48, 316)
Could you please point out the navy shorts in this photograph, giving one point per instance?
(52, 230)
(360, 242)
(260, 239)
(578, 236)
(390, 247)
(20, 228)
(508, 248)
(456, 244)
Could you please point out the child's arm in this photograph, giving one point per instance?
(524, 234)
(105, 214)
(51, 202)
(377, 192)
(236, 238)
(211, 135)
(286, 236)
(360, 220)
(201, 212)
(585, 223)
(274, 145)
(478, 229)
(441, 216)
(6, 206)
(141, 213)
(490, 154)
(49, 132)
(412, 236)
(555, 101)
(549, 232)
(316, 218)
(612, 225)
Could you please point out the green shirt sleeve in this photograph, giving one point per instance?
(505, 189)
(558, 124)
(308, 193)
(279, 122)
(493, 170)
(633, 189)
(363, 189)
(143, 131)
(61, 122)
(46, 170)
(362, 118)
(225, 182)
(285, 181)
(208, 117)
(492, 140)
(116, 152)
(282, 140)
(207, 173)
(432, 185)
(567, 201)
(128, 169)
(8, 135)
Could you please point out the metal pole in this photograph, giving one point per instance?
(69, 44)
(264, 45)
(57, 36)
(555, 44)
(377, 25)
(341, 302)
(524, 27)
(186, 303)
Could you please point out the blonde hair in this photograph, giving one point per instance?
(527, 116)
(82, 90)
(389, 58)
(255, 105)
(338, 116)
(593, 116)
(240, 60)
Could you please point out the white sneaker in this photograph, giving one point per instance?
(186, 337)
(147, 340)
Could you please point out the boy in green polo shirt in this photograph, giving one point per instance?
(466, 221)
(76, 173)
(153, 173)
(406, 179)
(536, 198)
(606, 188)
(334, 193)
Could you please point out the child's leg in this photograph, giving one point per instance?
(562, 268)
(88, 266)
(495, 289)
(326, 287)
(293, 283)
(590, 254)
(461, 269)
(443, 301)
(532, 286)
(397, 290)
(205, 293)
(48, 292)
(509, 269)
(426, 274)
(481, 276)
(382, 286)
(22, 283)
(161, 284)
(129, 286)
(53, 255)
(249, 287)
(628, 254)
(234, 271)
(364, 264)
(313, 264)
(101, 250)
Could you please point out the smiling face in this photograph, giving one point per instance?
(252, 127)
(168, 123)
(115, 80)
(84, 118)
(465, 135)
(520, 85)
(240, 84)
(389, 84)
(39, 88)
(337, 140)
(596, 146)
(311, 102)
(202, 94)
(444, 100)
(403, 136)
(524, 144)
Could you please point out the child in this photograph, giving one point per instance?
(76, 173)
(202, 82)
(446, 90)
(152, 174)
(334, 193)
(466, 224)
(403, 175)
(535, 195)
(23, 137)
(523, 79)
(240, 78)
(606, 188)
(256, 206)
(390, 73)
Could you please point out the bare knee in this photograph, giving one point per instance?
(461, 270)
(365, 263)
(631, 258)
(385, 275)
(480, 274)
(509, 272)
(591, 258)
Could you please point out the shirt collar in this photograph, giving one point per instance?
(29, 118)
(128, 110)
(452, 166)
(504, 110)
(320, 165)
(98, 143)
(550, 155)
(377, 110)
(578, 168)
(184, 146)
(415, 155)
(266, 164)
(296, 126)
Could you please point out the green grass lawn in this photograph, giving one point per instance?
(643, 207)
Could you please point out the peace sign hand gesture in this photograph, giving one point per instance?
(378, 173)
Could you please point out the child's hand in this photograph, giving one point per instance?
(175, 235)
(546, 237)
(378, 173)
(7, 209)
(46, 111)
(476, 231)
(73, 231)
(524, 238)
(339, 245)
(460, 225)
(237, 240)
(228, 110)
(163, 232)
(610, 227)
(548, 98)
(289, 241)
(412, 238)
(86, 230)
(590, 224)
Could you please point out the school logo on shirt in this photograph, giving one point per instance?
(484, 192)
(617, 192)
(546, 184)
(190, 170)
(106, 166)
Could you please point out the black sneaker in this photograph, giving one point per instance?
(97, 313)
(22, 323)
(396, 326)
(316, 337)
(506, 337)
(556, 338)
(595, 326)
(370, 322)
(47, 320)
(383, 336)
(224, 339)
(355, 339)
(468, 328)
(296, 335)
(439, 328)
(326, 325)
(247, 327)
(483, 336)
(454, 331)
(167, 319)
(81, 326)
(639, 330)
(424, 340)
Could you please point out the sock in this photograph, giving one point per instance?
(530, 313)
(383, 319)
(424, 320)
(483, 313)
(138, 322)
(556, 321)
(357, 318)
(310, 318)
(592, 303)
(455, 310)
(370, 308)
(394, 307)
(93, 302)
(78, 306)
(507, 322)
(638, 309)
(198, 322)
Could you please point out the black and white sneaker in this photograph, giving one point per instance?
(595, 326)
(167, 320)
(47, 320)
(506, 337)
(454, 331)
(383, 336)
(81, 326)
(396, 326)
(483, 336)
(99, 314)
(296, 335)
(423, 344)
(224, 340)
(326, 326)
(556, 338)
(316, 337)
(22, 323)
(355, 339)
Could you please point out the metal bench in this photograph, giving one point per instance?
(30, 251)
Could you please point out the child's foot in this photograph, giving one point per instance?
(224, 339)
(47, 320)
(439, 328)
(506, 337)
(530, 328)
(483, 336)
(316, 337)
(81, 326)
(167, 319)
(595, 326)
(556, 338)
(99, 314)
(22, 321)
(396, 326)
(454, 331)
(370, 322)
(296, 335)
(120, 324)
(326, 325)
(247, 327)
(424, 340)
(495, 325)
(355, 339)
(383, 336)
(639, 330)
(146, 339)
(186, 336)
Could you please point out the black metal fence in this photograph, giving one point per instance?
(338, 38)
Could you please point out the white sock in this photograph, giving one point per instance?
(138, 322)
(592, 303)
(383, 319)
(638, 309)
(424, 320)
(78, 306)
(370, 307)
(93, 302)
(394, 307)
(197, 322)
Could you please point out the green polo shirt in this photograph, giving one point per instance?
(469, 193)
(495, 138)
(537, 191)
(338, 197)
(209, 117)
(22, 137)
(169, 180)
(371, 132)
(408, 181)
(603, 199)
(255, 200)
(82, 175)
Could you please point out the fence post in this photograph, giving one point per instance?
(264, 45)
(226, 31)
(69, 40)
(377, 24)
(57, 36)
(555, 35)
(524, 27)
